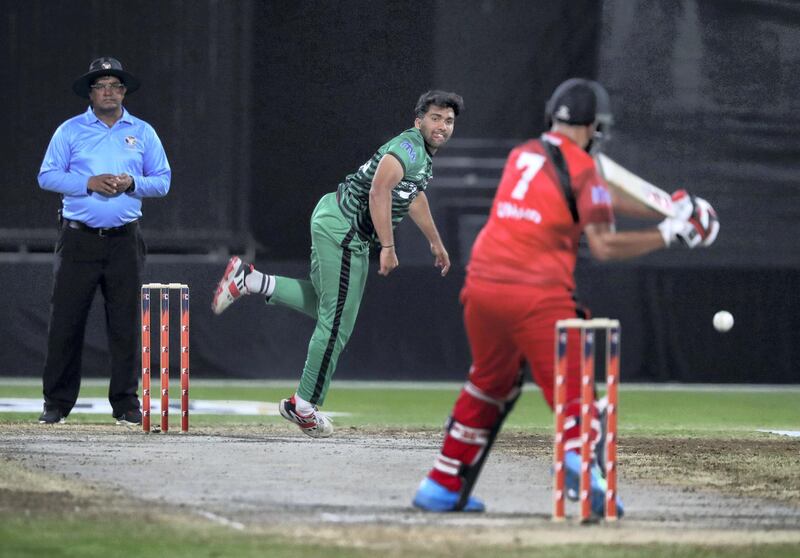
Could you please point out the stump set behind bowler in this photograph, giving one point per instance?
(613, 336)
(164, 289)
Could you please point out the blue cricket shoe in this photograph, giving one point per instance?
(432, 496)
(597, 496)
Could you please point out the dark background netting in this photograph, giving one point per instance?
(704, 95)
(265, 106)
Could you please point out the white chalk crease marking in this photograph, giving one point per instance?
(224, 521)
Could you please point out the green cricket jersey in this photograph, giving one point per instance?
(353, 193)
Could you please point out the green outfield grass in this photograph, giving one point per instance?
(90, 539)
(643, 410)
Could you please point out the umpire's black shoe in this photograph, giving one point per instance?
(132, 417)
(52, 415)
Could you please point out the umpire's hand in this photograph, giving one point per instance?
(108, 184)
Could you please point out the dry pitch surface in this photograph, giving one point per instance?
(356, 487)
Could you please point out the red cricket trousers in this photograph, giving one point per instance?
(508, 324)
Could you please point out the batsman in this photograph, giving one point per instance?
(520, 281)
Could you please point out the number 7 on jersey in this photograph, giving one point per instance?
(531, 163)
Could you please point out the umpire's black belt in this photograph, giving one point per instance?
(122, 230)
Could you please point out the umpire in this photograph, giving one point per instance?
(102, 162)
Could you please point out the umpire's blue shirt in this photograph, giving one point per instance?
(84, 146)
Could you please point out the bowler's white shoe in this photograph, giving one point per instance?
(231, 286)
(314, 424)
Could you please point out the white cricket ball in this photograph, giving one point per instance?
(723, 320)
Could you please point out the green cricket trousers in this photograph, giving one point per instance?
(339, 267)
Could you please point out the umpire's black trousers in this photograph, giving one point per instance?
(85, 259)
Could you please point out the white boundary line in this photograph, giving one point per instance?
(790, 433)
(99, 405)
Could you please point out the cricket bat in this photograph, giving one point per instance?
(634, 186)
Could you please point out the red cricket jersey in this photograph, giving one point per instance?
(530, 236)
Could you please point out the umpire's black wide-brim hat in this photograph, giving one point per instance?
(105, 66)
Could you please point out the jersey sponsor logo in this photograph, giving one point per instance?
(508, 210)
(412, 154)
(130, 140)
(600, 195)
(406, 190)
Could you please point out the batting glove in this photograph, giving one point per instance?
(695, 222)
(706, 218)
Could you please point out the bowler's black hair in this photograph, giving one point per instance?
(440, 99)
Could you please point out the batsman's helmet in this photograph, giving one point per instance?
(581, 102)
